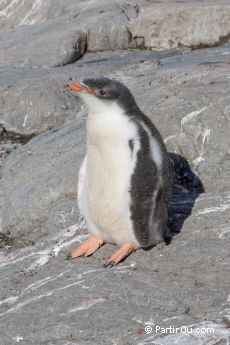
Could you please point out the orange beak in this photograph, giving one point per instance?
(78, 85)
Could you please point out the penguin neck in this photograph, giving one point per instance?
(100, 108)
(109, 126)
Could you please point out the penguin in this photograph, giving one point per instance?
(125, 180)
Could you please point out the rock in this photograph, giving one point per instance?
(14, 13)
(60, 37)
(63, 41)
(48, 300)
(38, 98)
(44, 172)
(38, 284)
(191, 24)
(186, 96)
(183, 94)
(103, 36)
(46, 44)
(143, 24)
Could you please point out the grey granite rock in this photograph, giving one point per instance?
(140, 24)
(59, 34)
(29, 12)
(46, 300)
(41, 178)
(108, 30)
(186, 96)
(46, 44)
(33, 100)
(182, 24)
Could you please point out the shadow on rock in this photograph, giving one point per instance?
(186, 188)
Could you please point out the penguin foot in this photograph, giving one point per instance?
(86, 248)
(120, 254)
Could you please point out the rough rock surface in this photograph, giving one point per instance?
(58, 34)
(46, 300)
(32, 100)
(192, 24)
(30, 12)
(121, 25)
(59, 152)
(38, 99)
(46, 44)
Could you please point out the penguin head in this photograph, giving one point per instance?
(101, 93)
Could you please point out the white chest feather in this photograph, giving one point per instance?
(109, 165)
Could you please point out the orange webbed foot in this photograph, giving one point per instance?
(121, 254)
(87, 248)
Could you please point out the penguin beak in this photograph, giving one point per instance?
(78, 85)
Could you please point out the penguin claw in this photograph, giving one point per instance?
(109, 264)
(69, 256)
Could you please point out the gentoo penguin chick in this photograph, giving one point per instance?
(124, 183)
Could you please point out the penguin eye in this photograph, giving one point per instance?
(102, 93)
